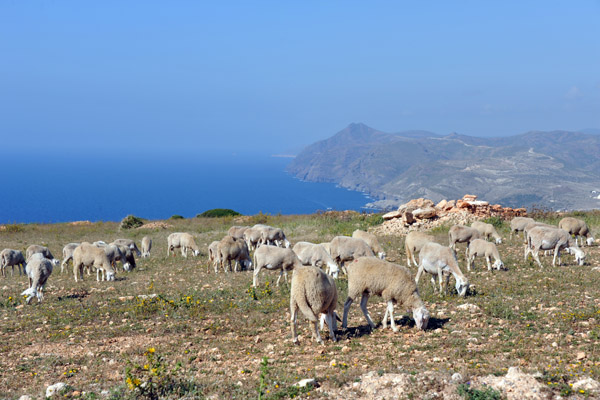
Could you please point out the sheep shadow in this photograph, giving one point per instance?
(404, 322)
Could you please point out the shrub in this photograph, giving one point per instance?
(469, 393)
(496, 221)
(131, 222)
(218, 212)
(176, 216)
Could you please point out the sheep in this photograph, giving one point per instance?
(414, 241)
(229, 249)
(88, 255)
(273, 257)
(487, 230)
(371, 241)
(369, 276)
(483, 248)
(274, 236)
(184, 241)
(67, 255)
(439, 260)
(116, 253)
(128, 261)
(518, 224)
(10, 258)
(462, 234)
(577, 228)
(253, 236)
(237, 231)
(326, 246)
(100, 243)
(38, 270)
(213, 255)
(314, 293)
(344, 248)
(146, 246)
(34, 248)
(317, 256)
(551, 238)
(130, 243)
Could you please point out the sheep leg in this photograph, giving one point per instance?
(441, 279)
(556, 252)
(419, 273)
(330, 317)
(363, 307)
(293, 320)
(255, 276)
(347, 305)
(527, 250)
(316, 333)
(390, 308)
(536, 257)
(470, 262)
(280, 274)
(488, 261)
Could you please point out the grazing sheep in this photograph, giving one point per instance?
(253, 236)
(326, 246)
(272, 258)
(551, 238)
(344, 248)
(487, 230)
(440, 260)
(129, 260)
(116, 253)
(518, 224)
(462, 234)
(483, 248)
(314, 293)
(100, 243)
(38, 270)
(34, 249)
(371, 241)
(413, 243)
(68, 255)
(182, 240)
(577, 228)
(10, 258)
(317, 256)
(146, 246)
(237, 231)
(274, 236)
(88, 255)
(130, 243)
(234, 249)
(369, 276)
(213, 255)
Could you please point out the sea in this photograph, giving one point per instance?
(51, 188)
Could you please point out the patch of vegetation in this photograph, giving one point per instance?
(218, 212)
(13, 228)
(469, 393)
(176, 216)
(496, 221)
(131, 222)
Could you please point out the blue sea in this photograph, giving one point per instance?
(52, 188)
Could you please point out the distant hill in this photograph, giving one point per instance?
(558, 169)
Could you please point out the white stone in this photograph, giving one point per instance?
(587, 384)
(26, 397)
(307, 381)
(456, 377)
(55, 389)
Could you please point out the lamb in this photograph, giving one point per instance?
(577, 228)
(518, 224)
(130, 243)
(88, 255)
(182, 240)
(483, 248)
(369, 276)
(229, 249)
(146, 246)
(440, 260)
(10, 258)
(34, 248)
(317, 256)
(462, 234)
(38, 270)
(487, 230)
(414, 241)
(274, 236)
(213, 255)
(68, 255)
(371, 241)
(344, 248)
(547, 238)
(237, 231)
(273, 257)
(314, 293)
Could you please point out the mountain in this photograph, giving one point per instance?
(558, 169)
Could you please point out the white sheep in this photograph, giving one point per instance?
(182, 240)
(518, 224)
(273, 258)
(237, 231)
(441, 260)
(314, 293)
(232, 249)
(253, 236)
(213, 255)
(483, 248)
(88, 255)
(129, 243)
(35, 249)
(413, 243)
(317, 256)
(10, 258)
(344, 248)
(67, 255)
(146, 246)
(487, 230)
(38, 270)
(551, 238)
(577, 228)
(462, 234)
(370, 276)
(371, 241)
(117, 253)
(274, 236)
(326, 246)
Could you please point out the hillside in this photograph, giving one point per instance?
(558, 169)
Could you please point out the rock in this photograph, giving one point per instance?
(457, 378)
(469, 197)
(408, 218)
(424, 213)
(442, 204)
(105, 393)
(580, 355)
(305, 382)
(26, 397)
(588, 384)
(55, 389)
(469, 307)
(391, 215)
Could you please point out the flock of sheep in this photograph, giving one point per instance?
(316, 266)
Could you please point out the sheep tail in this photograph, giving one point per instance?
(305, 308)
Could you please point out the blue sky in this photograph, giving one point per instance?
(268, 76)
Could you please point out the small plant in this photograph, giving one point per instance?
(218, 212)
(131, 222)
(176, 216)
(469, 393)
(264, 370)
(496, 221)
(12, 228)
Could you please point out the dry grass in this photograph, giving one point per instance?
(212, 335)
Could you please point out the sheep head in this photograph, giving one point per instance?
(333, 270)
(590, 241)
(461, 286)
(381, 255)
(421, 317)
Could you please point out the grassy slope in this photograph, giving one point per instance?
(88, 333)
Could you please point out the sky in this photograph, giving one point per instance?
(264, 77)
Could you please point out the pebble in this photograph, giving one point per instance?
(456, 377)
(307, 381)
(55, 389)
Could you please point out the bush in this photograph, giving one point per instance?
(496, 221)
(218, 212)
(131, 222)
(469, 393)
(176, 216)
